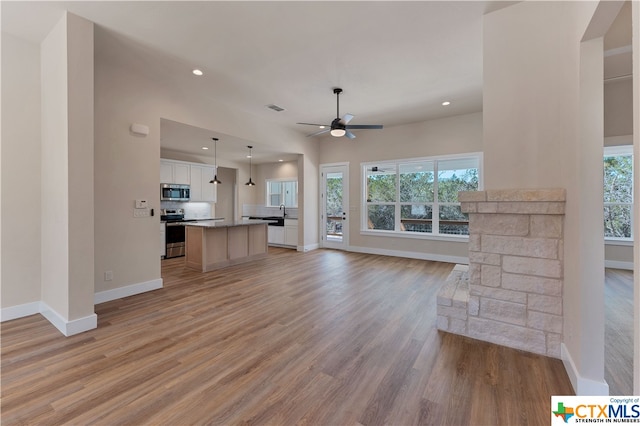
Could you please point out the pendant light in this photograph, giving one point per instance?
(215, 180)
(250, 183)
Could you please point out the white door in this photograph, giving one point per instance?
(334, 202)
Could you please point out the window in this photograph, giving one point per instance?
(419, 196)
(282, 192)
(618, 192)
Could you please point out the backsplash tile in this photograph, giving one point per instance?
(262, 210)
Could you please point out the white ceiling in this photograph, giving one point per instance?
(396, 61)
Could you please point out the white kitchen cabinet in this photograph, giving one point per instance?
(201, 189)
(181, 174)
(291, 232)
(286, 235)
(175, 172)
(276, 235)
(166, 172)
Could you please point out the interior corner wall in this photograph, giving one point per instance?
(532, 117)
(225, 198)
(20, 168)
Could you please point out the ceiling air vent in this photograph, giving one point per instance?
(275, 107)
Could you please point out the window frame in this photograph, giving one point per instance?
(435, 204)
(268, 192)
(614, 151)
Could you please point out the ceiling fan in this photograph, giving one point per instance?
(378, 169)
(340, 126)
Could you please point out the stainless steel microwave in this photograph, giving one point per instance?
(174, 192)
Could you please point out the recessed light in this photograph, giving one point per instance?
(446, 103)
(281, 160)
(197, 72)
(205, 147)
(322, 127)
(248, 156)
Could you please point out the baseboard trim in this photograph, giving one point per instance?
(617, 264)
(581, 385)
(308, 247)
(19, 311)
(411, 255)
(68, 328)
(126, 291)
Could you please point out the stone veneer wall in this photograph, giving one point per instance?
(515, 274)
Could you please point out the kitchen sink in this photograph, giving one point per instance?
(279, 219)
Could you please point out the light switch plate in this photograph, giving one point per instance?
(141, 212)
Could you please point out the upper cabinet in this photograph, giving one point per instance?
(201, 189)
(193, 174)
(174, 172)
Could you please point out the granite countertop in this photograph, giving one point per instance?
(228, 223)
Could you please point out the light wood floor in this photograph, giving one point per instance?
(318, 338)
(618, 331)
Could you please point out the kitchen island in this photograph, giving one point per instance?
(216, 244)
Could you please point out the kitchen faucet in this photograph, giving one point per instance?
(284, 208)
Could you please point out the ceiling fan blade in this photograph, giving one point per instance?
(313, 124)
(350, 135)
(346, 118)
(319, 133)
(364, 126)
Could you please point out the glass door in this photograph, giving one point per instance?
(334, 202)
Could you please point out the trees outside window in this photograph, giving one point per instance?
(618, 192)
(419, 196)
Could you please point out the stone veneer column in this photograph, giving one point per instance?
(516, 268)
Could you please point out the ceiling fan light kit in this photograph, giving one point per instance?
(340, 126)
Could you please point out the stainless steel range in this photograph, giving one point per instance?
(174, 239)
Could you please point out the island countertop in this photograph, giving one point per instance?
(228, 223)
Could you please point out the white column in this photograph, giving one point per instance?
(67, 176)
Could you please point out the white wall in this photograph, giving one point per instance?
(542, 106)
(452, 135)
(80, 165)
(20, 166)
(55, 166)
(618, 107)
(262, 172)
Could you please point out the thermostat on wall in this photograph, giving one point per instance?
(141, 204)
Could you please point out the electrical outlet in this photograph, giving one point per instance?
(108, 275)
(141, 212)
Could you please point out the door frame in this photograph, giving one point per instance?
(324, 168)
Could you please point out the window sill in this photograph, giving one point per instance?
(417, 236)
(616, 242)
